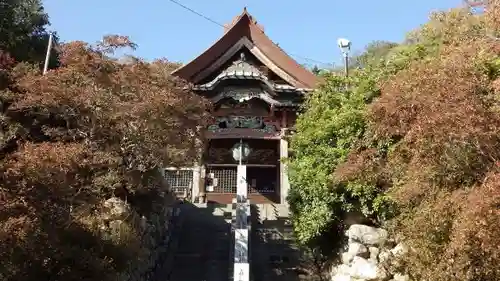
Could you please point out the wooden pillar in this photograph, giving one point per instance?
(284, 119)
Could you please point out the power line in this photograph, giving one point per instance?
(196, 13)
(221, 25)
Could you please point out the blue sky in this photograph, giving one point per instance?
(304, 28)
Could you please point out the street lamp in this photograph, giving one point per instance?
(345, 48)
(240, 152)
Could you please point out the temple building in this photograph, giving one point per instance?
(255, 89)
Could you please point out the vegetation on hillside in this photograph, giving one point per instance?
(91, 129)
(410, 141)
(422, 158)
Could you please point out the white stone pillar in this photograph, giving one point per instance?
(241, 185)
(241, 272)
(284, 184)
(201, 184)
(196, 186)
(241, 233)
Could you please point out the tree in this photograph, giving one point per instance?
(334, 122)
(440, 117)
(426, 142)
(92, 129)
(375, 52)
(316, 70)
(23, 31)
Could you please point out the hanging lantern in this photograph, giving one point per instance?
(240, 151)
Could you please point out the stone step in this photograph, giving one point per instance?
(263, 212)
(204, 249)
(273, 249)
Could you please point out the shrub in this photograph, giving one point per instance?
(89, 130)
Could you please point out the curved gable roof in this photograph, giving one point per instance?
(245, 26)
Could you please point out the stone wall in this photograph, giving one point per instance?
(150, 238)
(368, 255)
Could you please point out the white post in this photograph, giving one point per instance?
(47, 55)
(241, 176)
(196, 186)
(241, 237)
(241, 185)
(241, 272)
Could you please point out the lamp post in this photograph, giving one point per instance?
(345, 48)
(241, 151)
(241, 267)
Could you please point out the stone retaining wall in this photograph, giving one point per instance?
(154, 237)
(368, 256)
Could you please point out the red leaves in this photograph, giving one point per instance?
(360, 165)
(77, 53)
(54, 170)
(45, 158)
(6, 61)
(111, 42)
(496, 87)
(136, 104)
(79, 133)
(475, 240)
(438, 109)
(443, 169)
(493, 16)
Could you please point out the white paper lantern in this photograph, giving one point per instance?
(245, 151)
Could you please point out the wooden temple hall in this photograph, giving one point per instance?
(256, 89)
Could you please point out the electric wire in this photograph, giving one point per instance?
(207, 18)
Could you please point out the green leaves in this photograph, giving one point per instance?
(332, 123)
(334, 127)
(413, 142)
(22, 30)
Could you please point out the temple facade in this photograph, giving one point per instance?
(255, 90)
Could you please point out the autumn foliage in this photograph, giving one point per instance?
(442, 115)
(93, 128)
(431, 144)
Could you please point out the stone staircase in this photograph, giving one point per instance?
(205, 243)
(274, 255)
(205, 247)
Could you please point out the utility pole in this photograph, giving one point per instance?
(47, 56)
